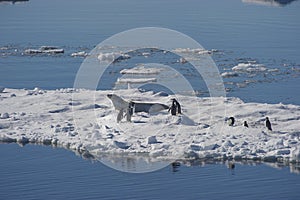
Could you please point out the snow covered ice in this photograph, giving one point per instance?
(85, 121)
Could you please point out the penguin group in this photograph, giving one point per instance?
(268, 125)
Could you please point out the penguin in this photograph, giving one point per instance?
(268, 124)
(173, 108)
(178, 106)
(246, 124)
(231, 121)
(129, 111)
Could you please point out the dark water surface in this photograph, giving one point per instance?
(39, 172)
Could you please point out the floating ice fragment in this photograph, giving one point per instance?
(45, 49)
(79, 54)
(112, 57)
(141, 70)
(249, 67)
(229, 74)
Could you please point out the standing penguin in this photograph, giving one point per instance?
(178, 106)
(231, 121)
(268, 124)
(129, 111)
(173, 108)
(246, 124)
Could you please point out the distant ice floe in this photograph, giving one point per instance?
(141, 70)
(112, 57)
(45, 49)
(70, 118)
(136, 80)
(195, 51)
(250, 67)
(229, 74)
(79, 54)
(269, 2)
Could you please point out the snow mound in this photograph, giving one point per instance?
(70, 118)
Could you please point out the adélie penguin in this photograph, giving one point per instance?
(231, 121)
(268, 124)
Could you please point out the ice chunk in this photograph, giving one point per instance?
(4, 116)
(45, 49)
(112, 57)
(79, 54)
(141, 70)
(229, 74)
(151, 140)
(249, 67)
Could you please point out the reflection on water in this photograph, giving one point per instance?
(139, 163)
(25, 174)
(142, 163)
(270, 2)
(13, 1)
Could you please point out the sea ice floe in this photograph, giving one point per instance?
(45, 49)
(249, 67)
(112, 57)
(141, 70)
(200, 132)
(79, 54)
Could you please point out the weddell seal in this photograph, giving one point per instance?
(130, 107)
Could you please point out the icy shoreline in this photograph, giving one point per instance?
(85, 121)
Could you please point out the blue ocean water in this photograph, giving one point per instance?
(37, 172)
(241, 32)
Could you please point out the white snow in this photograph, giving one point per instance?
(85, 120)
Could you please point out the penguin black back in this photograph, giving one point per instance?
(231, 121)
(246, 124)
(268, 124)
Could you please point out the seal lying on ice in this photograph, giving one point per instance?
(133, 107)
